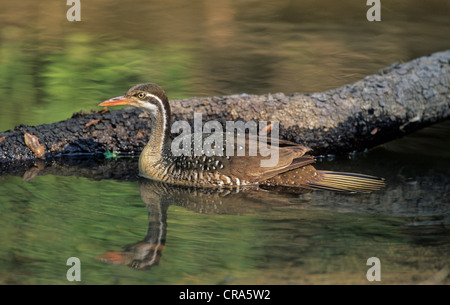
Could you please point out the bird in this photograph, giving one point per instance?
(294, 168)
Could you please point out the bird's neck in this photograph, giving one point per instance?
(159, 142)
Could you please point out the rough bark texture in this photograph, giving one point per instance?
(398, 100)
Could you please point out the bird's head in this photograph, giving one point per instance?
(150, 97)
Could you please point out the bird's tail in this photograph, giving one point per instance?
(346, 182)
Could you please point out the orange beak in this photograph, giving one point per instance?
(115, 257)
(115, 101)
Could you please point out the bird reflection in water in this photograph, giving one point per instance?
(157, 197)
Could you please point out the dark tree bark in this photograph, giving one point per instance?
(398, 100)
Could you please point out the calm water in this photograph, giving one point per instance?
(98, 211)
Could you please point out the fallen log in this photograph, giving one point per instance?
(400, 99)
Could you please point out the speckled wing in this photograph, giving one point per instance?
(244, 164)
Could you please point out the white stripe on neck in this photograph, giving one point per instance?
(153, 109)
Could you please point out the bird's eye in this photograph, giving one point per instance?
(141, 95)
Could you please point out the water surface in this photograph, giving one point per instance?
(119, 225)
